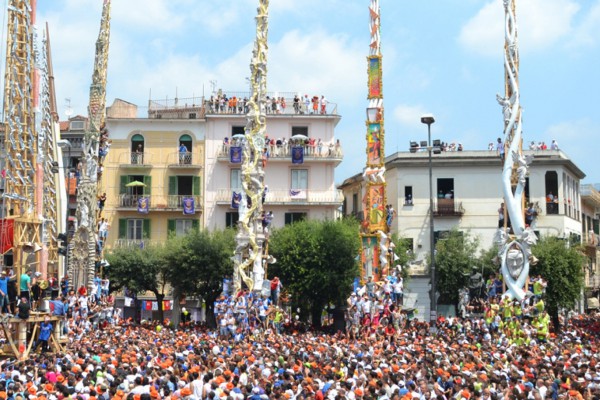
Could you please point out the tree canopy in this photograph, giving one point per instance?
(139, 270)
(316, 261)
(198, 262)
(454, 260)
(562, 268)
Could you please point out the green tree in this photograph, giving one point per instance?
(562, 267)
(197, 264)
(454, 262)
(139, 270)
(316, 262)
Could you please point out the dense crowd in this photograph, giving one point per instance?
(258, 351)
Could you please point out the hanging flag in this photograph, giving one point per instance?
(297, 194)
(148, 305)
(6, 235)
(155, 306)
(235, 154)
(166, 305)
(128, 302)
(189, 206)
(297, 155)
(143, 205)
(236, 199)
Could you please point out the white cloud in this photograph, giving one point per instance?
(409, 115)
(572, 137)
(588, 31)
(541, 23)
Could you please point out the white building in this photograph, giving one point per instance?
(467, 195)
(295, 191)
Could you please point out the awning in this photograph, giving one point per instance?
(593, 303)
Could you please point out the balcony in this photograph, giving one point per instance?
(136, 160)
(311, 153)
(291, 197)
(157, 202)
(448, 208)
(187, 160)
(141, 243)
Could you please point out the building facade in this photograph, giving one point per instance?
(152, 173)
(590, 231)
(304, 188)
(467, 195)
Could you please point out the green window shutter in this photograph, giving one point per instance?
(172, 185)
(171, 227)
(122, 228)
(288, 218)
(124, 181)
(146, 229)
(196, 186)
(148, 183)
(195, 225)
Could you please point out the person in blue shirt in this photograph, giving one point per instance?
(3, 292)
(45, 332)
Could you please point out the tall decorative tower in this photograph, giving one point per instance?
(374, 258)
(514, 242)
(22, 194)
(82, 257)
(248, 258)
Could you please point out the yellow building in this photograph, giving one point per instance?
(153, 173)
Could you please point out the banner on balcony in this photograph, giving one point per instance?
(236, 198)
(297, 155)
(189, 206)
(235, 154)
(298, 194)
(143, 205)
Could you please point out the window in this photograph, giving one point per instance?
(292, 217)
(552, 200)
(186, 140)
(181, 227)
(445, 187)
(136, 190)
(134, 228)
(77, 125)
(300, 179)
(238, 130)
(408, 195)
(183, 186)
(137, 149)
(355, 208)
(192, 115)
(300, 130)
(231, 219)
(235, 179)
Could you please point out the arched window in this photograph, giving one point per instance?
(137, 149)
(186, 140)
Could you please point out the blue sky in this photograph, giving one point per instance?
(439, 56)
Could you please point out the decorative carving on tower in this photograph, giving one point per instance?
(248, 258)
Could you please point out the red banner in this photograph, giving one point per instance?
(6, 235)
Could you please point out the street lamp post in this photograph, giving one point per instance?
(428, 119)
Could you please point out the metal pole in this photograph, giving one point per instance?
(433, 307)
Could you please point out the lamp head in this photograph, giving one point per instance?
(427, 119)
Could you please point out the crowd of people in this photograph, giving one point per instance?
(258, 351)
(282, 146)
(305, 105)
